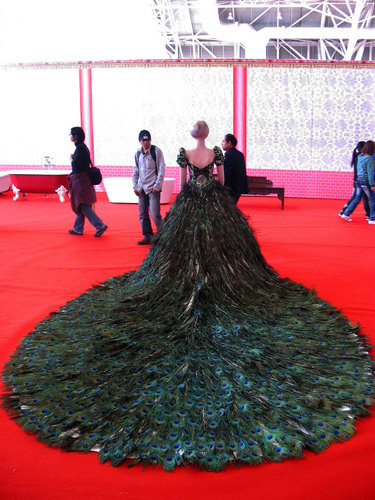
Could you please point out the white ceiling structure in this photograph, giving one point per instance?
(254, 29)
(34, 31)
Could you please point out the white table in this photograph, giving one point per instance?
(120, 190)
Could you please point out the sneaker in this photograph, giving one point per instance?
(340, 213)
(371, 221)
(346, 217)
(367, 217)
(100, 231)
(71, 231)
(147, 240)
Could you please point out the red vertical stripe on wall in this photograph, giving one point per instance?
(81, 97)
(240, 106)
(85, 92)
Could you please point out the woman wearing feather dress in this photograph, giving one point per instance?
(203, 356)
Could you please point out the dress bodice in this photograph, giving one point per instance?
(201, 177)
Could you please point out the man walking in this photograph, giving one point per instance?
(148, 176)
(234, 168)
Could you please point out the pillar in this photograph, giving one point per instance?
(240, 106)
(85, 92)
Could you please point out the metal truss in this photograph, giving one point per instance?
(304, 30)
(165, 16)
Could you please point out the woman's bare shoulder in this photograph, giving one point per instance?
(200, 157)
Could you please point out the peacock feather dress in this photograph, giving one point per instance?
(203, 356)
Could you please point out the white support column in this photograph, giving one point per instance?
(322, 47)
(354, 30)
(365, 24)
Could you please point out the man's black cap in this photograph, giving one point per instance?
(144, 135)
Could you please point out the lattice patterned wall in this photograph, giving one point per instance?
(302, 122)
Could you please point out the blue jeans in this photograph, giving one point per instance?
(149, 201)
(365, 190)
(87, 211)
(357, 190)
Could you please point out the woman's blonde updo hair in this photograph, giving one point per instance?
(200, 130)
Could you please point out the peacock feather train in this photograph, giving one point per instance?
(203, 356)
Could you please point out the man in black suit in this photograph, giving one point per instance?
(234, 168)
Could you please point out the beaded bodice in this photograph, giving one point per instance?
(201, 178)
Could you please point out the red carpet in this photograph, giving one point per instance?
(42, 267)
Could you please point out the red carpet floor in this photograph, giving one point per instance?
(42, 267)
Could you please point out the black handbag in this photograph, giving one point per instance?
(95, 175)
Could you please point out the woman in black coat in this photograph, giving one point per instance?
(82, 193)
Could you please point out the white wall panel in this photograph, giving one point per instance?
(38, 108)
(166, 101)
(308, 118)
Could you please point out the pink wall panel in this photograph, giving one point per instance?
(310, 184)
(297, 183)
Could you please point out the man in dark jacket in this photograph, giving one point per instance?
(234, 168)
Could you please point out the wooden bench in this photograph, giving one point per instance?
(262, 186)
